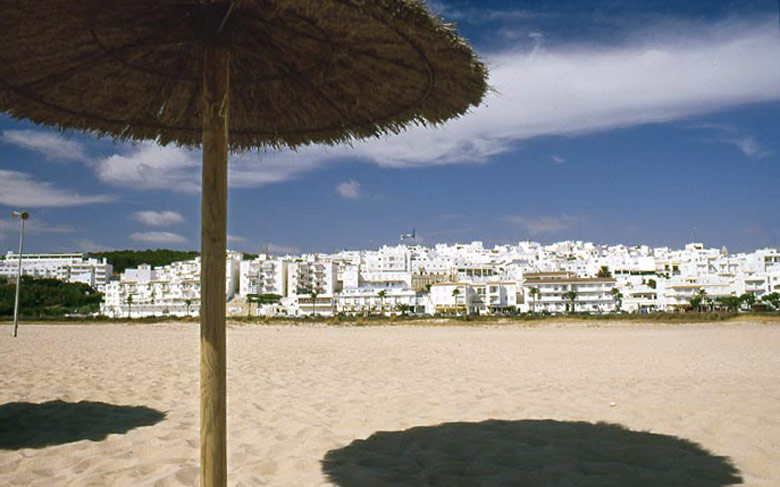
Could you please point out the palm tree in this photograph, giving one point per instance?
(731, 303)
(571, 296)
(618, 297)
(699, 299)
(749, 299)
(534, 292)
(455, 294)
(382, 295)
(314, 295)
(188, 303)
(773, 299)
(604, 272)
(129, 306)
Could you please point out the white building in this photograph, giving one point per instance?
(65, 267)
(264, 275)
(312, 284)
(488, 280)
(564, 292)
(374, 301)
(171, 290)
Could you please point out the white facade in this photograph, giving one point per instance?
(65, 267)
(483, 297)
(591, 294)
(171, 290)
(498, 280)
(312, 284)
(263, 275)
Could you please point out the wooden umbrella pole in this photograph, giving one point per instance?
(213, 423)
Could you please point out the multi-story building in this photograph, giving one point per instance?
(565, 292)
(171, 290)
(65, 267)
(312, 284)
(264, 275)
(468, 278)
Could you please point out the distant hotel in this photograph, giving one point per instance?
(65, 267)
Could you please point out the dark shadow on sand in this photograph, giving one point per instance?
(31, 425)
(542, 453)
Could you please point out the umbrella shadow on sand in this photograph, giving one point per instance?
(38, 425)
(538, 453)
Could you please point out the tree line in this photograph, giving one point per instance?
(48, 297)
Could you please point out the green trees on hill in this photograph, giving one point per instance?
(124, 259)
(48, 297)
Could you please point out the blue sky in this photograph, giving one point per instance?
(637, 122)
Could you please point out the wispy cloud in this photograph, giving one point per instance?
(350, 189)
(281, 249)
(158, 218)
(52, 145)
(22, 190)
(158, 237)
(150, 166)
(557, 160)
(479, 15)
(749, 146)
(731, 135)
(536, 225)
(32, 226)
(88, 245)
(679, 72)
(577, 90)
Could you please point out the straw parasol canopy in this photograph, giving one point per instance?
(231, 75)
(301, 71)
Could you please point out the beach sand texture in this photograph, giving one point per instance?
(100, 405)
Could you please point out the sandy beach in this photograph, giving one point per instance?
(607, 404)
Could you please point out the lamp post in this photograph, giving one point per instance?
(23, 215)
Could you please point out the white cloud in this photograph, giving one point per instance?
(557, 160)
(674, 74)
(732, 135)
(52, 145)
(478, 15)
(281, 249)
(88, 245)
(33, 226)
(350, 189)
(571, 91)
(749, 146)
(158, 218)
(536, 225)
(21, 190)
(236, 239)
(157, 237)
(150, 166)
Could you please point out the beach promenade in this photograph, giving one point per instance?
(117, 405)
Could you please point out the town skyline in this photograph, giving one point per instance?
(608, 121)
(273, 250)
(470, 278)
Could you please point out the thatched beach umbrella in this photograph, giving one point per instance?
(274, 73)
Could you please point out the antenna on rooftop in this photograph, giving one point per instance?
(695, 232)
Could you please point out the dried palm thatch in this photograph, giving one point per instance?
(301, 71)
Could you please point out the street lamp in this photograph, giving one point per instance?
(23, 215)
